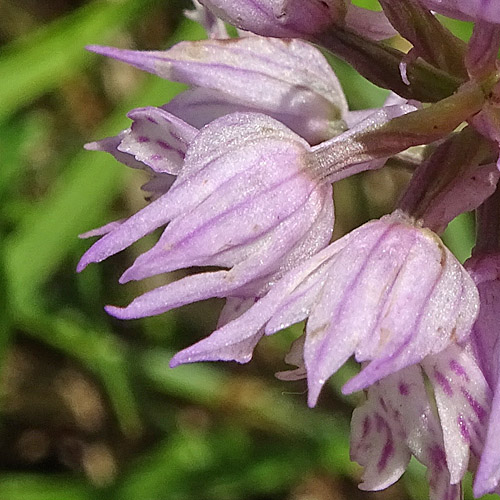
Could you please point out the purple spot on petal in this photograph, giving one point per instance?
(163, 145)
(380, 422)
(464, 430)
(437, 457)
(387, 453)
(404, 390)
(458, 369)
(366, 427)
(152, 120)
(156, 157)
(142, 139)
(443, 382)
(478, 409)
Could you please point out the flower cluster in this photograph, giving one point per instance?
(242, 166)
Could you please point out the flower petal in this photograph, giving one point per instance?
(289, 80)
(158, 139)
(463, 400)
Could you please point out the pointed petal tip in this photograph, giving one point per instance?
(143, 60)
(480, 488)
(99, 49)
(175, 361)
(83, 262)
(91, 146)
(484, 483)
(125, 277)
(354, 385)
(314, 389)
(118, 312)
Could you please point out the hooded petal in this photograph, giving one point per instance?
(393, 295)
(280, 18)
(295, 18)
(287, 79)
(274, 197)
(389, 292)
(157, 139)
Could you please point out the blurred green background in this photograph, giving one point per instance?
(89, 408)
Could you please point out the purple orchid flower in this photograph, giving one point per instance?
(289, 80)
(246, 199)
(155, 142)
(299, 19)
(389, 292)
(398, 420)
(485, 269)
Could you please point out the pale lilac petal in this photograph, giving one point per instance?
(176, 294)
(101, 231)
(280, 18)
(464, 194)
(249, 323)
(368, 23)
(110, 145)
(143, 222)
(157, 139)
(261, 74)
(433, 309)
(488, 473)
(400, 404)
(295, 357)
(463, 400)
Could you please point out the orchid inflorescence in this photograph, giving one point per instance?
(241, 171)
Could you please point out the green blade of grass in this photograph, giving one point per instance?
(78, 200)
(42, 60)
(44, 487)
(97, 350)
